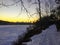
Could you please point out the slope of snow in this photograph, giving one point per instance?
(50, 36)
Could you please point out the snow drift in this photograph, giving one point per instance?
(47, 37)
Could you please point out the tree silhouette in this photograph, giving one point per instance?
(38, 26)
(41, 24)
(58, 14)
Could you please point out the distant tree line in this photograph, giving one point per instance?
(13, 23)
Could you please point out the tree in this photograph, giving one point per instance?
(23, 7)
(40, 24)
(58, 14)
(55, 14)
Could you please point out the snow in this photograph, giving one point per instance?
(10, 33)
(50, 36)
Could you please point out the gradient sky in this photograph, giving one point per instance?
(14, 14)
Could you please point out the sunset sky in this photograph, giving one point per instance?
(14, 14)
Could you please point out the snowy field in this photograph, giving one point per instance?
(9, 33)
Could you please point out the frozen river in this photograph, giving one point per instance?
(9, 33)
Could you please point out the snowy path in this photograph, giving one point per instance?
(50, 36)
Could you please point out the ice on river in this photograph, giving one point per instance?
(9, 33)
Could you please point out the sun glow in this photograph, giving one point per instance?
(11, 14)
(21, 18)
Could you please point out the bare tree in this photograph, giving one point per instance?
(30, 3)
(9, 3)
(23, 7)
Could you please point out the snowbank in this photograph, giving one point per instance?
(47, 37)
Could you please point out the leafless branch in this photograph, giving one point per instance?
(28, 14)
(6, 5)
(22, 6)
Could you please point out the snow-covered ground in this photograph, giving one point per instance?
(50, 36)
(9, 33)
